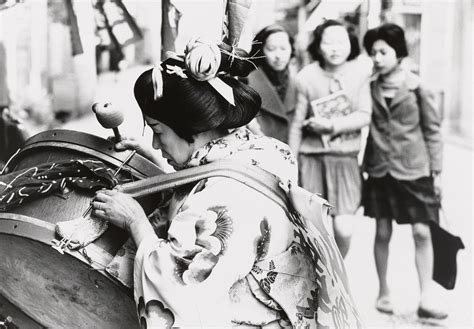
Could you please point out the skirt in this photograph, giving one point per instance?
(336, 178)
(406, 201)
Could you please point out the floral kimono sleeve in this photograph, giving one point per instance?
(184, 280)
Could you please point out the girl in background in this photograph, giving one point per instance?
(333, 105)
(274, 81)
(403, 159)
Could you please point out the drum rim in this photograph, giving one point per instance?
(102, 149)
(44, 232)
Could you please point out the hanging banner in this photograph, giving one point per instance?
(76, 43)
(5, 4)
(169, 26)
(116, 28)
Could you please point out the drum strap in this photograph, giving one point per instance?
(254, 177)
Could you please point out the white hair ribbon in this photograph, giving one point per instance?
(157, 79)
(223, 89)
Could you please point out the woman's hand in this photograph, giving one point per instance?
(123, 211)
(118, 208)
(142, 148)
(320, 125)
(437, 184)
(132, 143)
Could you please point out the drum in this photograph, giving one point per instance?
(69, 290)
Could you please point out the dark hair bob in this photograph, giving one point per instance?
(189, 106)
(314, 46)
(261, 37)
(392, 34)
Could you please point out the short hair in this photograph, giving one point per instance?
(189, 106)
(261, 37)
(392, 34)
(315, 44)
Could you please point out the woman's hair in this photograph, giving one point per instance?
(314, 46)
(189, 106)
(392, 34)
(261, 37)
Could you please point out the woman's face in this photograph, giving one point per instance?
(335, 45)
(384, 57)
(277, 50)
(174, 148)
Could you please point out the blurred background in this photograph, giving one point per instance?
(53, 52)
(58, 57)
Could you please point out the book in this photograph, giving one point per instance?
(333, 105)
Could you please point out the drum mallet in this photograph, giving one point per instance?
(109, 117)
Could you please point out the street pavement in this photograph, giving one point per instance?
(458, 200)
(457, 181)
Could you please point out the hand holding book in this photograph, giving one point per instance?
(319, 125)
(322, 126)
(323, 110)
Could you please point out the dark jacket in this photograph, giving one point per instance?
(405, 138)
(275, 115)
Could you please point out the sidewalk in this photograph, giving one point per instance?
(458, 199)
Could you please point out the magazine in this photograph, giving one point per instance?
(333, 105)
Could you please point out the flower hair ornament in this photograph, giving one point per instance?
(201, 61)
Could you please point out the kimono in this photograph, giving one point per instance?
(230, 256)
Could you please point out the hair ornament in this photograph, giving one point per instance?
(157, 79)
(233, 55)
(201, 61)
(175, 69)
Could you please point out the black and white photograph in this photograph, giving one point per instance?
(262, 164)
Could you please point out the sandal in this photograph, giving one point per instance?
(384, 305)
(431, 313)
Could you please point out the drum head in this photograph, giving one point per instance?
(59, 291)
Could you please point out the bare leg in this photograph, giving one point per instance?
(423, 259)
(343, 229)
(383, 234)
(424, 267)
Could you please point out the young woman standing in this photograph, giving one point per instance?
(403, 159)
(274, 80)
(328, 141)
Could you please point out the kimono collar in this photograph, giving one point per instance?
(243, 146)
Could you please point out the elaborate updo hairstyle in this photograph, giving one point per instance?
(258, 43)
(392, 34)
(181, 96)
(314, 46)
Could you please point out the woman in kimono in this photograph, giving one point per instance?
(273, 79)
(230, 256)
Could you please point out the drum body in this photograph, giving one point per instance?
(69, 290)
